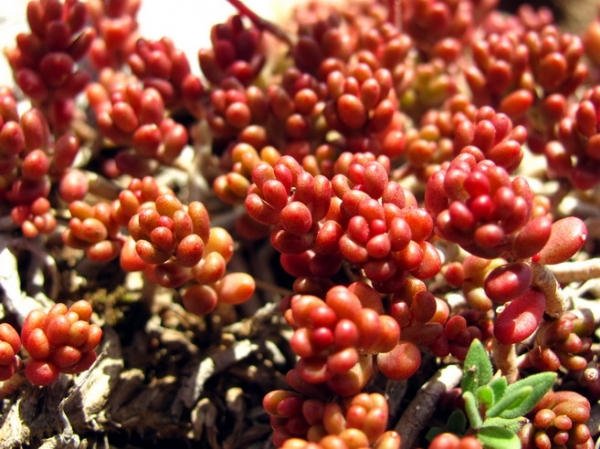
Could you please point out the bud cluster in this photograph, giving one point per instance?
(461, 329)
(426, 322)
(60, 341)
(527, 18)
(478, 206)
(322, 161)
(325, 39)
(565, 342)
(420, 315)
(384, 232)
(300, 423)
(139, 192)
(425, 86)
(432, 143)
(116, 28)
(499, 77)
(234, 107)
(558, 420)
(233, 187)
(166, 230)
(10, 345)
(491, 136)
(35, 218)
(174, 245)
(44, 62)
(296, 113)
(30, 162)
(236, 52)
(171, 242)
(355, 98)
(360, 100)
(432, 23)
(292, 199)
(160, 65)
(459, 127)
(97, 229)
(330, 334)
(362, 217)
(382, 45)
(555, 60)
(576, 154)
(94, 230)
(133, 116)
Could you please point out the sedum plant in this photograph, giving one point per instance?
(324, 233)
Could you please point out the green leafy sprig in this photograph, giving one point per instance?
(495, 410)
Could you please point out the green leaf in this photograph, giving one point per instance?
(477, 370)
(510, 404)
(512, 424)
(499, 386)
(485, 396)
(498, 438)
(432, 433)
(471, 409)
(457, 422)
(539, 383)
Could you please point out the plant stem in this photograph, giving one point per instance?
(577, 271)
(395, 13)
(422, 407)
(556, 303)
(593, 225)
(260, 23)
(101, 186)
(505, 359)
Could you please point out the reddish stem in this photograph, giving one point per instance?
(260, 23)
(395, 13)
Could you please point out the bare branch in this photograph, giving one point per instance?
(422, 407)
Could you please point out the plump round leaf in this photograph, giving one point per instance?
(508, 281)
(567, 237)
(401, 362)
(520, 318)
(532, 237)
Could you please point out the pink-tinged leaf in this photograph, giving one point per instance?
(532, 238)
(401, 362)
(508, 281)
(520, 318)
(567, 237)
